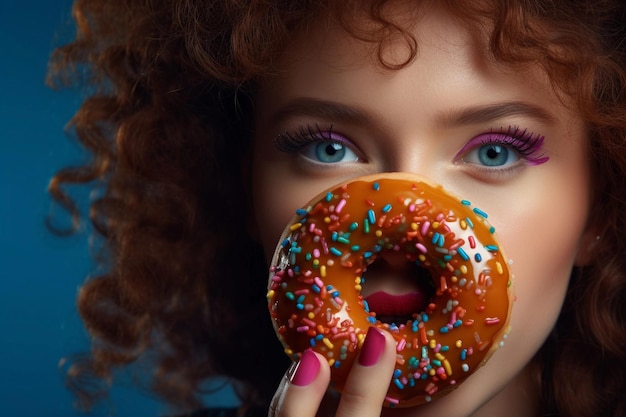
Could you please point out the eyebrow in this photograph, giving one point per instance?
(491, 112)
(323, 109)
(334, 111)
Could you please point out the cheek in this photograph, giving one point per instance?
(542, 243)
(271, 209)
(275, 199)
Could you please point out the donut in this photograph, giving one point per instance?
(444, 332)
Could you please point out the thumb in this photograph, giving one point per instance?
(302, 388)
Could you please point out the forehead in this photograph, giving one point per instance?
(390, 39)
(328, 58)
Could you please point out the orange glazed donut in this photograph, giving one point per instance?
(317, 276)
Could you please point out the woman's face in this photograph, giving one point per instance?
(462, 121)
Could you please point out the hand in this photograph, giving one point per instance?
(305, 383)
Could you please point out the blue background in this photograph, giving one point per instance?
(40, 273)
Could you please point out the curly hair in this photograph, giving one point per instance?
(168, 122)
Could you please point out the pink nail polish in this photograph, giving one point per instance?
(373, 347)
(306, 370)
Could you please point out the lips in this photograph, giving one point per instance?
(390, 308)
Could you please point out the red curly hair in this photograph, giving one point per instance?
(167, 120)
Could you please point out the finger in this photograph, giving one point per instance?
(302, 388)
(369, 378)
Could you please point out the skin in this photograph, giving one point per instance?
(410, 121)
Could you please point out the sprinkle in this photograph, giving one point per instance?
(491, 248)
(301, 212)
(465, 367)
(401, 345)
(499, 268)
(366, 226)
(371, 216)
(340, 205)
(328, 343)
(478, 258)
(392, 400)
(329, 196)
(342, 239)
(466, 203)
(492, 320)
(295, 226)
(376, 186)
(387, 208)
(462, 254)
(480, 212)
(335, 251)
(353, 226)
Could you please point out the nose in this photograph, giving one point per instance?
(416, 154)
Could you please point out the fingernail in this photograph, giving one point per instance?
(306, 370)
(372, 348)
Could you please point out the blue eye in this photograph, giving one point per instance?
(504, 149)
(491, 155)
(329, 153)
(315, 145)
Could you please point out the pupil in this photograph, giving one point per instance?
(494, 151)
(330, 152)
(493, 155)
(332, 149)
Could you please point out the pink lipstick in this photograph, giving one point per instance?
(396, 308)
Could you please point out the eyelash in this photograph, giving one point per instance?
(527, 144)
(292, 142)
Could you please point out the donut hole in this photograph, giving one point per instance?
(396, 289)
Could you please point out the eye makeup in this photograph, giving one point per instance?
(298, 140)
(526, 144)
